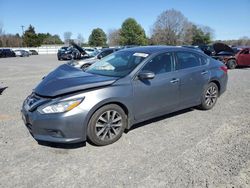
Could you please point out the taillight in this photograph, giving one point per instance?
(224, 68)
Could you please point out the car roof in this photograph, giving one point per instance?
(152, 49)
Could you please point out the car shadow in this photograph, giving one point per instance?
(160, 118)
(243, 67)
(62, 145)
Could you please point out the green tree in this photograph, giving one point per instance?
(30, 37)
(132, 33)
(47, 38)
(199, 36)
(97, 37)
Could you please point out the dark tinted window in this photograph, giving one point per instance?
(246, 51)
(160, 64)
(186, 60)
(203, 60)
(106, 52)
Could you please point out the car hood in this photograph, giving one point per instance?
(82, 51)
(67, 79)
(219, 47)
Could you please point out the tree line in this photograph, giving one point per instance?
(29, 39)
(170, 28)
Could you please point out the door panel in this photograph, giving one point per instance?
(157, 95)
(194, 75)
(192, 82)
(152, 97)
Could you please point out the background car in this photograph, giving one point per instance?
(91, 51)
(33, 52)
(72, 52)
(6, 52)
(69, 53)
(85, 63)
(243, 57)
(231, 57)
(61, 51)
(22, 53)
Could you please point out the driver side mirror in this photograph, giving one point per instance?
(146, 75)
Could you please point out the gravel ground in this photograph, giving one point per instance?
(190, 148)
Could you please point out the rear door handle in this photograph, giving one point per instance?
(204, 72)
(175, 80)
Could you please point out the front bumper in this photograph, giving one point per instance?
(69, 127)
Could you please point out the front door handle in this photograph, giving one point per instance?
(175, 80)
(204, 72)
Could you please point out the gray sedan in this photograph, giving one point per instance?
(124, 88)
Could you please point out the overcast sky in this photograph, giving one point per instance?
(230, 19)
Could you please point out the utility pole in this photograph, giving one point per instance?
(22, 26)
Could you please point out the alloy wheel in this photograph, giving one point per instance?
(108, 125)
(211, 96)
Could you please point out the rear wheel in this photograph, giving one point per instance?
(231, 63)
(107, 125)
(209, 96)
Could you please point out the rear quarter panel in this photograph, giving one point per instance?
(218, 75)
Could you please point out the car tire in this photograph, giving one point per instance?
(106, 125)
(85, 66)
(209, 96)
(231, 64)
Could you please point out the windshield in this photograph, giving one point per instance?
(117, 64)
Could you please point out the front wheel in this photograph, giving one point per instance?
(107, 125)
(209, 96)
(231, 64)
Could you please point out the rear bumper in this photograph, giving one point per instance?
(61, 128)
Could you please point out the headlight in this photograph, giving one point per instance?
(61, 106)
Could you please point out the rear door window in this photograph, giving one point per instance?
(187, 60)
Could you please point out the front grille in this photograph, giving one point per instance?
(29, 126)
(33, 101)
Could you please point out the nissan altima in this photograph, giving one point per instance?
(127, 87)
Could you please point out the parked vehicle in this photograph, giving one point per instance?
(91, 51)
(22, 53)
(232, 57)
(33, 52)
(207, 49)
(61, 51)
(243, 57)
(5, 52)
(68, 54)
(85, 63)
(124, 88)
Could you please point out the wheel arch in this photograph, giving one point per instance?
(124, 107)
(217, 83)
